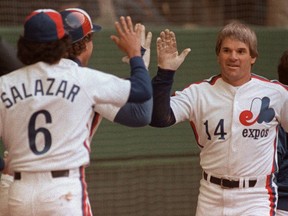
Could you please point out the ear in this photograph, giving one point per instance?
(253, 60)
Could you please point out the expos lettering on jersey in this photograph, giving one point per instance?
(259, 112)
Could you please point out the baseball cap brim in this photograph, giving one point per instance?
(96, 28)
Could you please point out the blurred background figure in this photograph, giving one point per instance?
(8, 57)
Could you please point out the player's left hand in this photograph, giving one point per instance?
(167, 53)
(146, 44)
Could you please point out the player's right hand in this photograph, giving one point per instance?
(167, 53)
(129, 38)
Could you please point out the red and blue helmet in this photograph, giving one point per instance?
(78, 23)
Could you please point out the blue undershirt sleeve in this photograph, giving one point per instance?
(162, 115)
(141, 88)
(135, 114)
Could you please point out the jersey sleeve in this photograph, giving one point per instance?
(105, 88)
(181, 105)
(107, 111)
(135, 114)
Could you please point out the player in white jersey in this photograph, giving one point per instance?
(78, 24)
(234, 117)
(47, 111)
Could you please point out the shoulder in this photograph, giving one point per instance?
(207, 82)
(272, 84)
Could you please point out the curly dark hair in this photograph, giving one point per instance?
(78, 47)
(283, 68)
(30, 52)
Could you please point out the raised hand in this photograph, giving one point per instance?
(129, 38)
(167, 52)
(146, 44)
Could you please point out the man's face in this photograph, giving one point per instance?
(235, 62)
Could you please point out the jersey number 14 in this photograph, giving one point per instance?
(219, 130)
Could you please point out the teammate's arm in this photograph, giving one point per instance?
(162, 115)
(141, 89)
(168, 62)
(129, 41)
(137, 114)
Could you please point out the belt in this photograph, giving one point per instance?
(54, 174)
(227, 183)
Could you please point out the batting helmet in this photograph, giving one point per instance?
(78, 23)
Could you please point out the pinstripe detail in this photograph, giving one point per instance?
(95, 123)
(195, 133)
(272, 195)
(269, 183)
(86, 208)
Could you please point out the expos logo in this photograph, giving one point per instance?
(259, 112)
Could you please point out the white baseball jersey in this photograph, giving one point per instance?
(47, 113)
(235, 127)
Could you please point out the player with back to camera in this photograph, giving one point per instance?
(47, 110)
(77, 23)
(282, 175)
(80, 27)
(234, 117)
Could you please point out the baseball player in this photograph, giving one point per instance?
(234, 117)
(282, 175)
(78, 24)
(8, 57)
(47, 110)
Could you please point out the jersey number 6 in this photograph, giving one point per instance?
(33, 132)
